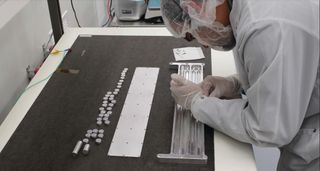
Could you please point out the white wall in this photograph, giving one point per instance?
(24, 28)
(21, 39)
(91, 13)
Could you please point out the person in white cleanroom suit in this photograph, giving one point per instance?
(276, 51)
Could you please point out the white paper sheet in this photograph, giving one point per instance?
(129, 135)
(188, 53)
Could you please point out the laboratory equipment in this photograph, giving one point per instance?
(187, 144)
(130, 10)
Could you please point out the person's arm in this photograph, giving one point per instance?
(281, 61)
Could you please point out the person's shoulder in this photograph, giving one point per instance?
(284, 15)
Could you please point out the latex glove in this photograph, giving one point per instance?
(183, 90)
(221, 87)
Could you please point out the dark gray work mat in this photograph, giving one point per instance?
(68, 106)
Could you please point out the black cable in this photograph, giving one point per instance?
(75, 13)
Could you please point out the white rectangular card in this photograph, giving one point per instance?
(188, 53)
(129, 134)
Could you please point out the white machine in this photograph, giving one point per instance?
(130, 10)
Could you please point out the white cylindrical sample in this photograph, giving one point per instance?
(101, 108)
(119, 86)
(77, 148)
(109, 108)
(105, 118)
(122, 78)
(104, 104)
(103, 111)
(119, 83)
(111, 104)
(106, 97)
(99, 119)
(86, 149)
(89, 131)
(109, 92)
(101, 115)
(95, 131)
(111, 96)
(109, 113)
(113, 101)
(105, 101)
(115, 92)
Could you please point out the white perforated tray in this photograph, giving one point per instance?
(129, 134)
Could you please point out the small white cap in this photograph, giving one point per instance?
(88, 135)
(107, 122)
(85, 140)
(101, 131)
(99, 122)
(98, 141)
(100, 135)
(94, 135)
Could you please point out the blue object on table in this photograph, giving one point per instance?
(154, 4)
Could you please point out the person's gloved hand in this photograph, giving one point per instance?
(221, 87)
(183, 90)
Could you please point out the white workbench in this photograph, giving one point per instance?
(230, 155)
